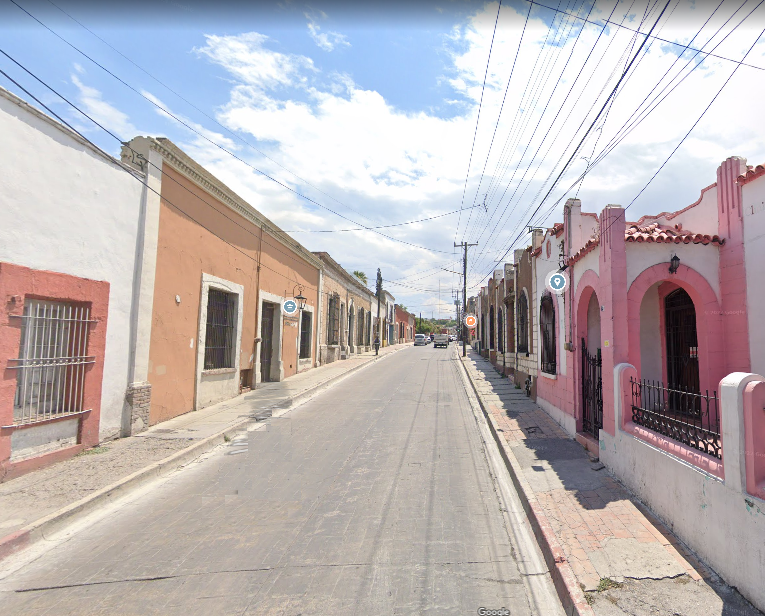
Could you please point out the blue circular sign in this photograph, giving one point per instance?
(290, 307)
(557, 283)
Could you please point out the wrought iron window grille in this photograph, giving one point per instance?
(220, 335)
(686, 416)
(523, 324)
(52, 361)
(547, 321)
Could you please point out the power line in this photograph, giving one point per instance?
(635, 122)
(400, 224)
(478, 118)
(613, 92)
(570, 112)
(263, 173)
(622, 26)
(714, 98)
(188, 102)
(501, 108)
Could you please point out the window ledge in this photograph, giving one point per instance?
(547, 375)
(50, 419)
(219, 371)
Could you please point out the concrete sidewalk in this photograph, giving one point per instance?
(36, 502)
(607, 553)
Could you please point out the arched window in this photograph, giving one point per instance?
(491, 327)
(523, 324)
(500, 332)
(547, 325)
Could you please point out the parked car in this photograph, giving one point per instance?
(420, 340)
(441, 340)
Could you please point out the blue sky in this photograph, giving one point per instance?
(371, 110)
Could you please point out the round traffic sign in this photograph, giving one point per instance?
(470, 320)
(290, 307)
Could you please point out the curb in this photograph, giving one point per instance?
(571, 595)
(37, 530)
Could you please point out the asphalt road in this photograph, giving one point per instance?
(375, 497)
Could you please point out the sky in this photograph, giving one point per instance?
(482, 119)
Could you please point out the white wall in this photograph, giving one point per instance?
(69, 208)
(587, 262)
(754, 260)
(704, 259)
(650, 336)
(724, 526)
(701, 218)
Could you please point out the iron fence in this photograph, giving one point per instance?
(686, 416)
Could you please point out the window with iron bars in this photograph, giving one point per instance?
(547, 322)
(305, 335)
(333, 319)
(52, 360)
(523, 324)
(221, 330)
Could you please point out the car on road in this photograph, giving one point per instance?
(419, 340)
(441, 340)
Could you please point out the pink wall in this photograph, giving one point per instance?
(732, 269)
(17, 284)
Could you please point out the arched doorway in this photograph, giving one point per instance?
(350, 327)
(500, 334)
(682, 345)
(491, 328)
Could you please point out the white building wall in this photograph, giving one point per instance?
(587, 262)
(701, 218)
(69, 208)
(704, 259)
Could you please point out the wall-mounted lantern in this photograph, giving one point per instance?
(674, 263)
(299, 297)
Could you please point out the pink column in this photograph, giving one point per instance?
(613, 319)
(732, 268)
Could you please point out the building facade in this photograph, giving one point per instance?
(216, 274)
(69, 239)
(652, 358)
(406, 325)
(346, 321)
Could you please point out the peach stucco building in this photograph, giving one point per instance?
(215, 275)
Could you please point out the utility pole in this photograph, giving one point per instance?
(464, 245)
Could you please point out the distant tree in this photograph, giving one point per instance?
(404, 308)
(361, 276)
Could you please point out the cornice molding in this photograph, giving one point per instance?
(184, 164)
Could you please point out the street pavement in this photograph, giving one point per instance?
(374, 497)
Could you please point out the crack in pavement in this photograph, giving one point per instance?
(159, 578)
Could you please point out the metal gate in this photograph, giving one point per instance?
(682, 351)
(592, 392)
(267, 341)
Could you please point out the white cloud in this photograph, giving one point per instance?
(325, 40)
(105, 114)
(388, 165)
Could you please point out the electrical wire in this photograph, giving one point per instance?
(478, 118)
(201, 135)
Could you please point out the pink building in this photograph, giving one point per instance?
(652, 358)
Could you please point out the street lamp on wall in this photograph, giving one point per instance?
(674, 263)
(299, 297)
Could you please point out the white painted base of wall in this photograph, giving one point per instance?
(38, 440)
(563, 419)
(715, 521)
